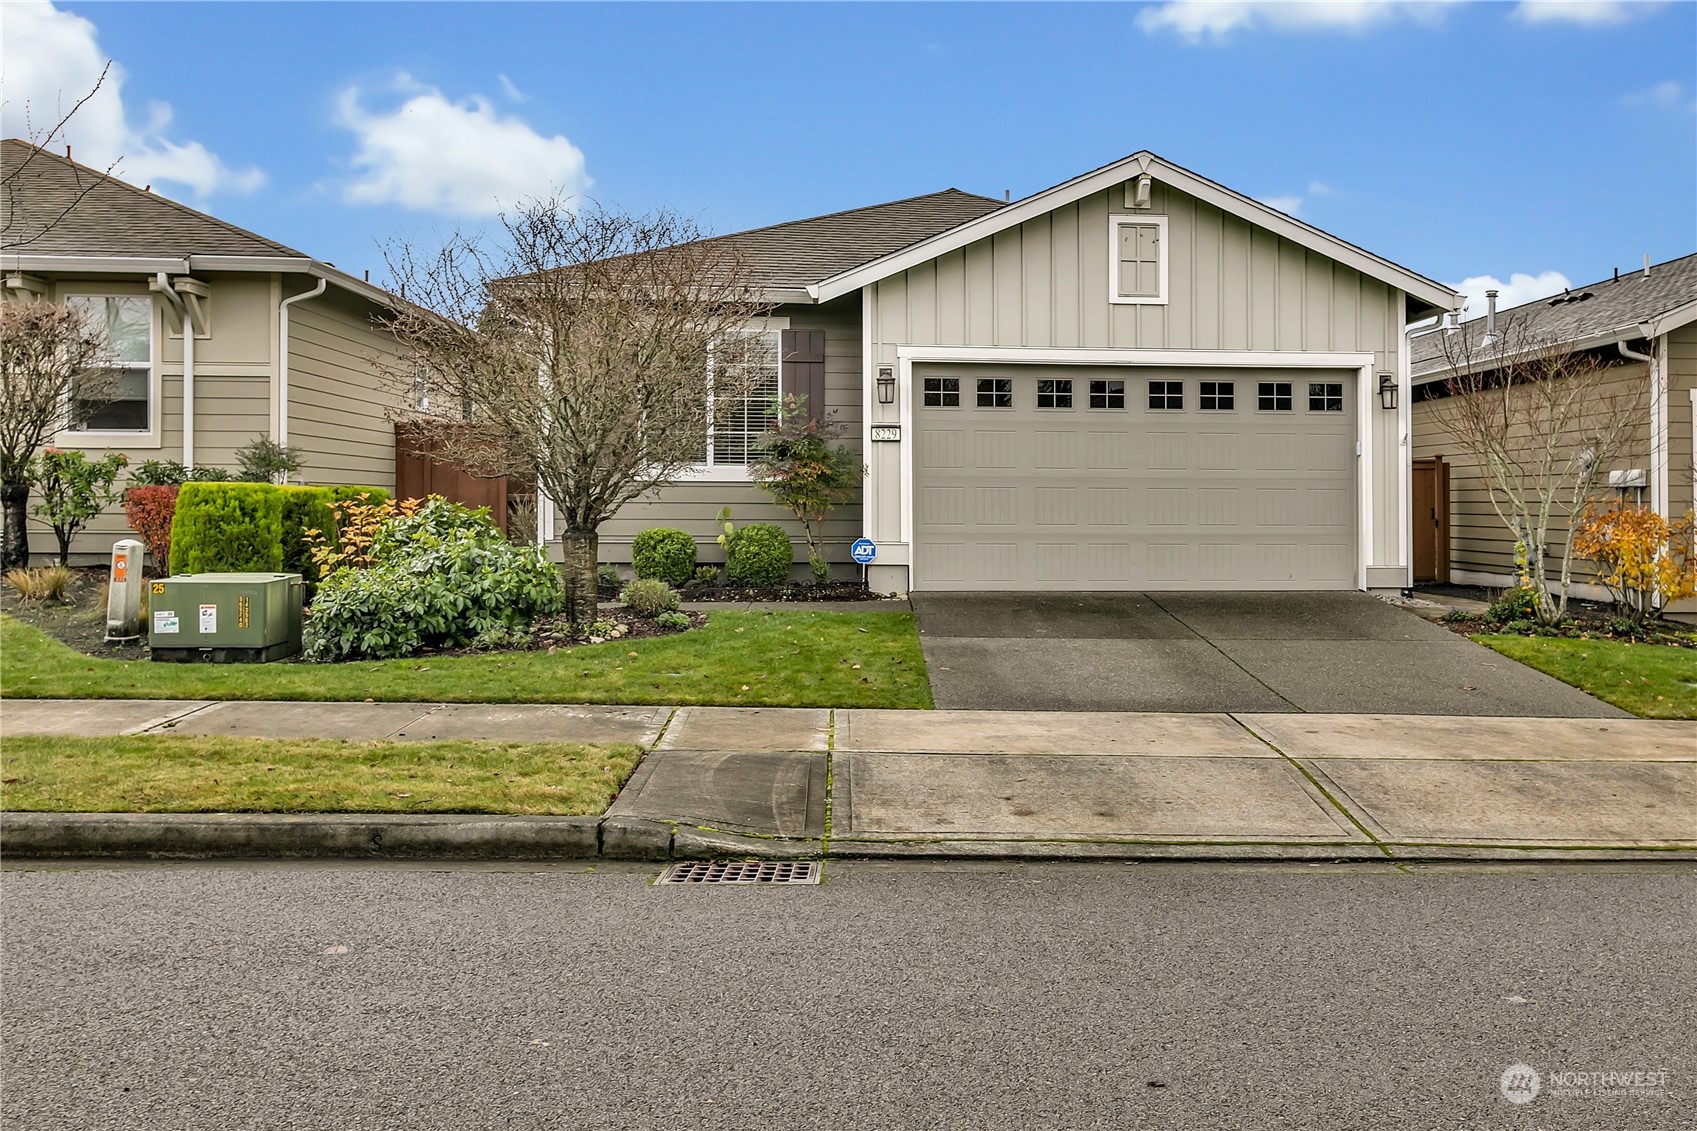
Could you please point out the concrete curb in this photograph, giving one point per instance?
(380, 836)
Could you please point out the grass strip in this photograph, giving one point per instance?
(1653, 681)
(153, 774)
(773, 658)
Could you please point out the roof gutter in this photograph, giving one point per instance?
(1618, 335)
(283, 356)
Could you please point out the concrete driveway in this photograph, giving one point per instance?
(1345, 653)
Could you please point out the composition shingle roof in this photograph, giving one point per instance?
(1582, 312)
(51, 205)
(800, 252)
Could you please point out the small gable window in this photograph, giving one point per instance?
(1138, 260)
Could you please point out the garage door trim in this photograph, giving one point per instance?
(1363, 363)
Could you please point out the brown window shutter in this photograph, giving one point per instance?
(802, 369)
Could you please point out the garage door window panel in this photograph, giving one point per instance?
(1325, 396)
(1273, 396)
(1217, 396)
(942, 392)
(1166, 396)
(1054, 394)
(1107, 394)
(995, 392)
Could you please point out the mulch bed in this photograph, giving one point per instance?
(80, 620)
(830, 591)
(1582, 625)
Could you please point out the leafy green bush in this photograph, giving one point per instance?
(227, 528)
(668, 555)
(706, 574)
(304, 508)
(442, 577)
(170, 473)
(1519, 603)
(263, 460)
(759, 554)
(672, 620)
(73, 489)
(649, 597)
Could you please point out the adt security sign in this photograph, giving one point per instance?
(863, 550)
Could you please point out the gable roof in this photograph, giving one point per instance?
(1597, 314)
(53, 206)
(1429, 292)
(799, 253)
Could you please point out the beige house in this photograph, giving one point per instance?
(1135, 380)
(1644, 323)
(279, 345)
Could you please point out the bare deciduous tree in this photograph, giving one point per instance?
(21, 224)
(587, 349)
(54, 365)
(1544, 422)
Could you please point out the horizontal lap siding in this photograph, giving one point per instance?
(1479, 539)
(1682, 379)
(1231, 286)
(338, 399)
(691, 506)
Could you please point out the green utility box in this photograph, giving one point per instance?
(225, 618)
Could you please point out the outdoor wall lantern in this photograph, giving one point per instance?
(1387, 390)
(886, 385)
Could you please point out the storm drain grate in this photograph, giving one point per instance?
(742, 872)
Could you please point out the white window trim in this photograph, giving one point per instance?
(1162, 259)
(711, 472)
(152, 435)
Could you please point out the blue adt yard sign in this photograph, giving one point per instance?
(863, 550)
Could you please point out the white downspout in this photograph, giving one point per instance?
(283, 356)
(162, 285)
(1659, 461)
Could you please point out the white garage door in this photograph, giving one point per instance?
(1100, 478)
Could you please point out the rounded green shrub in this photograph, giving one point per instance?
(759, 554)
(227, 528)
(667, 555)
(304, 508)
(649, 597)
(1519, 603)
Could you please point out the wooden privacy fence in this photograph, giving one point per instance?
(420, 472)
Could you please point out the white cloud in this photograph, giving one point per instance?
(1289, 205)
(1321, 188)
(1667, 95)
(1521, 288)
(1586, 13)
(433, 154)
(511, 90)
(1213, 20)
(49, 59)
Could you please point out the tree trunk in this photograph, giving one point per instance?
(581, 549)
(14, 547)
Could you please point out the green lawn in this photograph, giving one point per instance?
(772, 658)
(148, 774)
(1657, 681)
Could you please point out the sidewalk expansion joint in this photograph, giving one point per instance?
(1315, 782)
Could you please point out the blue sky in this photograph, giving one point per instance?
(1464, 140)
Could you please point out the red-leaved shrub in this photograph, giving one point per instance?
(149, 511)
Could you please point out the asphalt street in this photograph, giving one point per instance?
(892, 996)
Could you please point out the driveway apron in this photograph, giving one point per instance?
(1342, 653)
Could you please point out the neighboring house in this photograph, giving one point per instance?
(1643, 314)
(282, 346)
(1137, 379)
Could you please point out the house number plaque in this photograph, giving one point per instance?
(886, 432)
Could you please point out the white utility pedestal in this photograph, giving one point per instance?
(123, 600)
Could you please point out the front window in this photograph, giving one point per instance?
(737, 428)
(126, 404)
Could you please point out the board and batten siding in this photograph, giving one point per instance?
(339, 399)
(1480, 542)
(691, 506)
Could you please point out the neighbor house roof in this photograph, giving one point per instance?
(1597, 314)
(60, 216)
(799, 253)
(1429, 293)
(53, 206)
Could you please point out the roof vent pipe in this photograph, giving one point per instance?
(1646, 265)
(1490, 314)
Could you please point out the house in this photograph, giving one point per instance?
(281, 345)
(1645, 324)
(1135, 380)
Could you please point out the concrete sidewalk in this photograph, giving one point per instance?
(775, 782)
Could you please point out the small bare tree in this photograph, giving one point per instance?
(54, 366)
(588, 350)
(1544, 422)
(20, 223)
